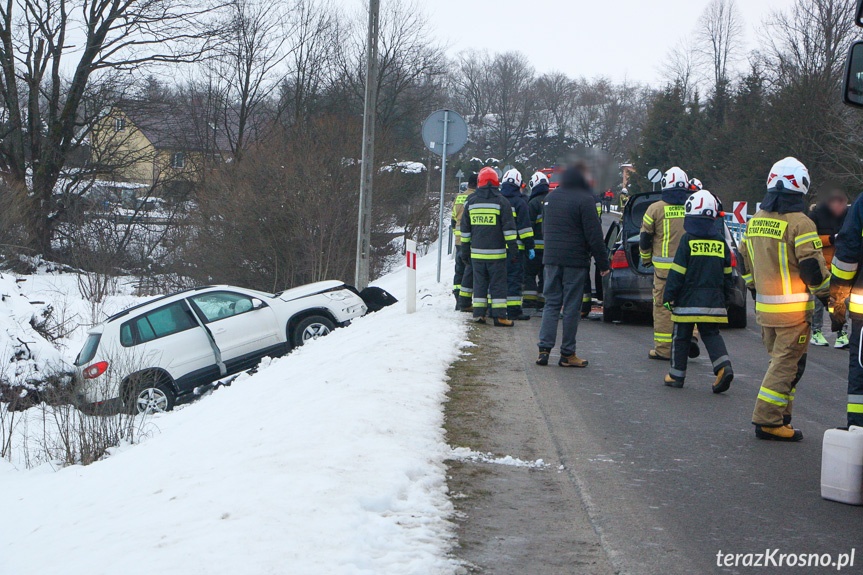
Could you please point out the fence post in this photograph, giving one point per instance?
(411, 296)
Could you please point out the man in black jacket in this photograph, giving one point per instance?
(533, 277)
(573, 234)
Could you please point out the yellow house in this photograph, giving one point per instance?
(154, 144)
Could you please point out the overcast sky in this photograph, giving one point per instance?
(614, 38)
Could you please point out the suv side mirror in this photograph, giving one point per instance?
(258, 304)
(858, 16)
(852, 91)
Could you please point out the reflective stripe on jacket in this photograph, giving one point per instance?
(663, 223)
(487, 226)
(457, 212)
(848, 256)
(700, 280)
(773, 248)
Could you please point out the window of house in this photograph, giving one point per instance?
(178, 160)
(119, 124)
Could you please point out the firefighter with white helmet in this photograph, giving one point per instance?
(661, 232)
(784, 267)
(700, 284)
(533, 277)
(510, 188)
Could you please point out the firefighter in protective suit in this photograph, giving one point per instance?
(511, 190)
(700, 283)
(784, 267)
(533, 278)
(463, 271)
(847, 294)
(488, 237)
(661, 232)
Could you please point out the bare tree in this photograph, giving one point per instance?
(513, 104)
(471, 86)
(46, 113)
(719, 40)
(247, 64)
(312, 56)
(681, 66)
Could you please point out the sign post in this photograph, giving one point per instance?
(411, 299)
(655, 176)
(444, 133)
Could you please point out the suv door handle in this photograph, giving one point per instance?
(220, 330)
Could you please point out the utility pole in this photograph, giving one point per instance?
(364, 223)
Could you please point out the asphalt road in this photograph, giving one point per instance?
(671, 477)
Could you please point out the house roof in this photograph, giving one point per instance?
(169, 126)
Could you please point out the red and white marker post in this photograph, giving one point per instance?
(411, 299)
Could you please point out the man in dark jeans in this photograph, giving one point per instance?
(573, 235)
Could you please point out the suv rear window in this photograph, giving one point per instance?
(162, 322)
(89, 351)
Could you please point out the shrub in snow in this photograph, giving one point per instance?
(27, 359)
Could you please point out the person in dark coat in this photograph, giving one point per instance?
(573, 236)
(465, 293)
(699, 286)
(829, 216)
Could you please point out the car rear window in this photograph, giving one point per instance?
(89, 351)
(162, 322)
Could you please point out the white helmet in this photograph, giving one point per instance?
(696, 184)
(512, 177)
(675, 178)
(702, 203)
(789, 175)
(537, 179)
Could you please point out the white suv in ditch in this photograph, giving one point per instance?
(144, 358)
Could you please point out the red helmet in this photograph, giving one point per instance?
(487, 176)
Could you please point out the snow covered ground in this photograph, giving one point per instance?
(328, 461)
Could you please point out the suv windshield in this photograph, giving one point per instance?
(89, 352)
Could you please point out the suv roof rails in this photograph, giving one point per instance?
(129, 310)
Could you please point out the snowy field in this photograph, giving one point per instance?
(328, 461)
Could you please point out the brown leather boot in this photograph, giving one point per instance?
(500, 322)
(572, 361)
(723, 380)
(783, 433)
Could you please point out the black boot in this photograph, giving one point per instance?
(543, 356)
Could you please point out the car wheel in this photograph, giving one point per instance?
(611, 314)
(150, 395)
(737, 318)
(312, 328)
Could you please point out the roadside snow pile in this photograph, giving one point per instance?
(328, 461)
(26, 357)
(467, 454)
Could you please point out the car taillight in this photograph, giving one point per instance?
(95, 370)
(618, 260)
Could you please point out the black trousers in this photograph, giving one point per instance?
(489, 288)
(683, 339)
(465, 292)
(459, 271)
(533, 282)
(855, 373)
(514, 284)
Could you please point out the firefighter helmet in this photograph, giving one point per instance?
(488, 176)
(675, 178)
(696, 184)
(702, 203)
(789, 175)
(513, 177)
(537, 179)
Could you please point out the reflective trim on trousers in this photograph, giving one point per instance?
(775, 397)
(663, 337)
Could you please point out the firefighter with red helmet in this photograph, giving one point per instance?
(488, 237)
